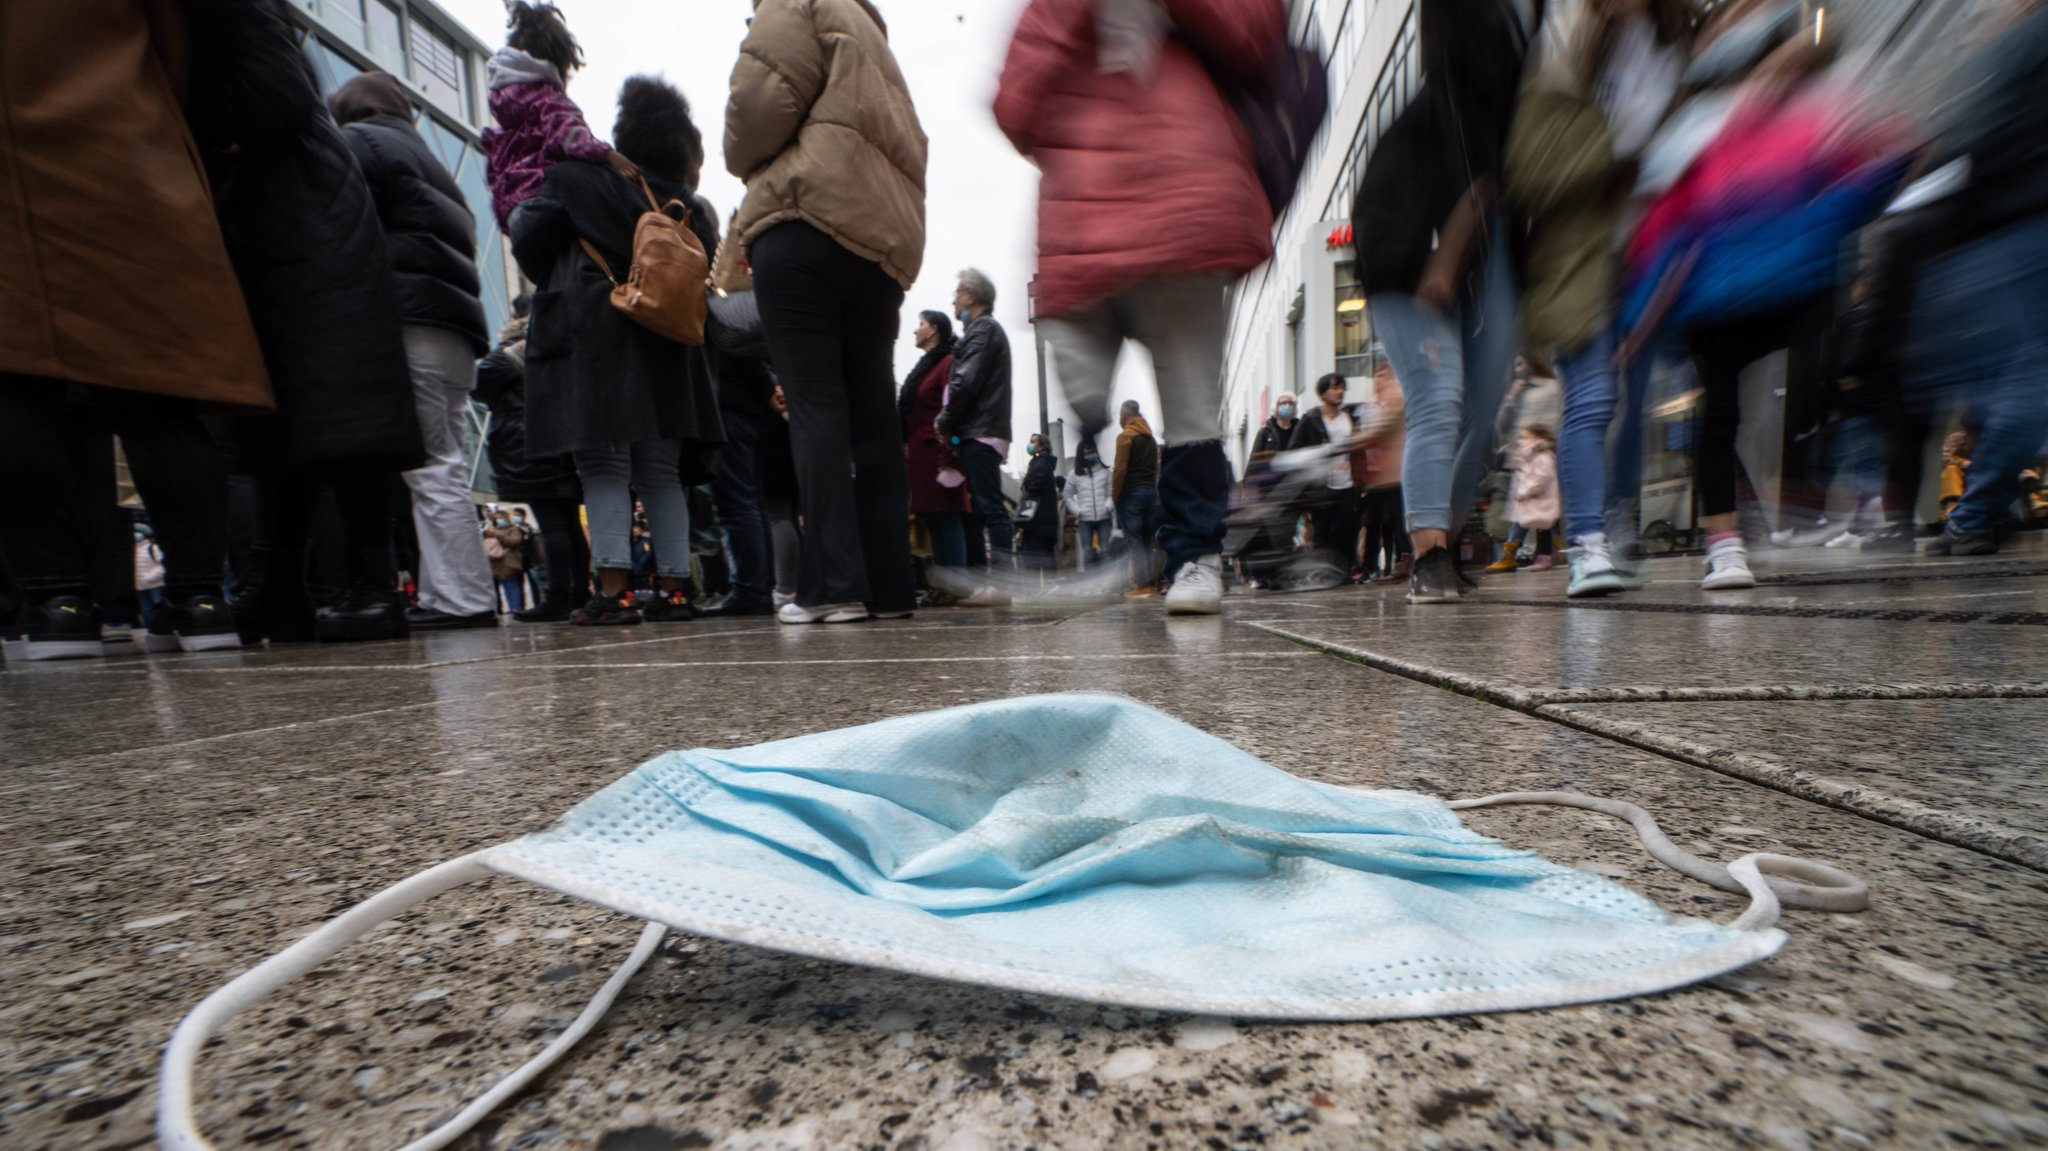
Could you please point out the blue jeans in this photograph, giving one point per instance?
(1089, 531)
(1138, 512)
(1194, 498)
(514, 589)
(984, 468)
(1453, 370)
(1589, 398)
(1978, 336)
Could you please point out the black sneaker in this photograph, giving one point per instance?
(554, 611)
(427, 619)
(668, 607)
(61, 627)
(362, 616)
(200, 623)
(606, 611)
(1434, 578)
(1954, 543)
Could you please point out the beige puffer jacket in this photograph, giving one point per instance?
(822, 130)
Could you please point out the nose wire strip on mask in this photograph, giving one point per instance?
(177, 1126)
(1771, 881)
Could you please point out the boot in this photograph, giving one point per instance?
(1506, 562)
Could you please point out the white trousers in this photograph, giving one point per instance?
(454, 575)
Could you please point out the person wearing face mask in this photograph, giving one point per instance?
(976, 415)
(1277, 431)
(1090, 503)
(1040, 509)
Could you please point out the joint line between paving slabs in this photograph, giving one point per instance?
(1982, 836)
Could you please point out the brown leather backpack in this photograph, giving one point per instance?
(664, 289)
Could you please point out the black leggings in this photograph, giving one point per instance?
(1334, 524)
(1386, 533)
(1720, 353)
(565, 552)
(55, 439)
(831, 319)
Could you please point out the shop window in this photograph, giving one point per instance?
(1353, 329)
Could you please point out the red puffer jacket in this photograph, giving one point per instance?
(1139, 183)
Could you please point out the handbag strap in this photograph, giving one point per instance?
(591, 250)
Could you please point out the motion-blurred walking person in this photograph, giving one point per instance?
(1118, 103)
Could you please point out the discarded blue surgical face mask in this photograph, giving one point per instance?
(1089, 847)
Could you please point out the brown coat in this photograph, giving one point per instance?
(822, 130)
(112, 267)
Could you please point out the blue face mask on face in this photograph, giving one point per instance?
(1089, 847)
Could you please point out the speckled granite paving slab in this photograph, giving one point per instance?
(135, 882)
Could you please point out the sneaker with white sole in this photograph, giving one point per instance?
(201, 623)
(1197, 588)
(1728, 567)
(1593, 571)
(783, 599)
(60, 627)
(796, 613)
(1850, 539)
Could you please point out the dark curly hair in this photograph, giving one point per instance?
(654, 130)
(539, 31)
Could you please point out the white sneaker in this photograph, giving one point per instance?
(783, 599)
(984, 596)
(1728, 567)
(794, 613)
(1850, 539)
(1197, 588)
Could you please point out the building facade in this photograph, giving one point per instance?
(1302, 314)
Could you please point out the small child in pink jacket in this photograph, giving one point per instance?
(538, 124)
(1536, 503)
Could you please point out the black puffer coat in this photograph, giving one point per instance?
(304, 238)
(521, 476)
(428, 228)
(595, 379)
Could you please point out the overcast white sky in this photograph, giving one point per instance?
(981, 200)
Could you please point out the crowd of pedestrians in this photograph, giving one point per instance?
(282, 322)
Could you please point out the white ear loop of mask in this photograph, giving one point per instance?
(176, 1125)
(1771, 881)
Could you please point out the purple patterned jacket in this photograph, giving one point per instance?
(538, 124)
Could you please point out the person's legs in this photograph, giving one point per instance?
(39, 532)
(566, 553)
(1085, 346)
(789, 545)
(1429, 362)
(984, 468)
(180, 476)
(798, 283)
(513, 588)
(737, 487)
(1590, 391)
(2001, 282)
(872, 303)
(1182, 322)
(1487, 334)
(608, 501)
(658, 482)
(455, 576)
(949, 538)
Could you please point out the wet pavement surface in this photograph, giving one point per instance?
(166, 822)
